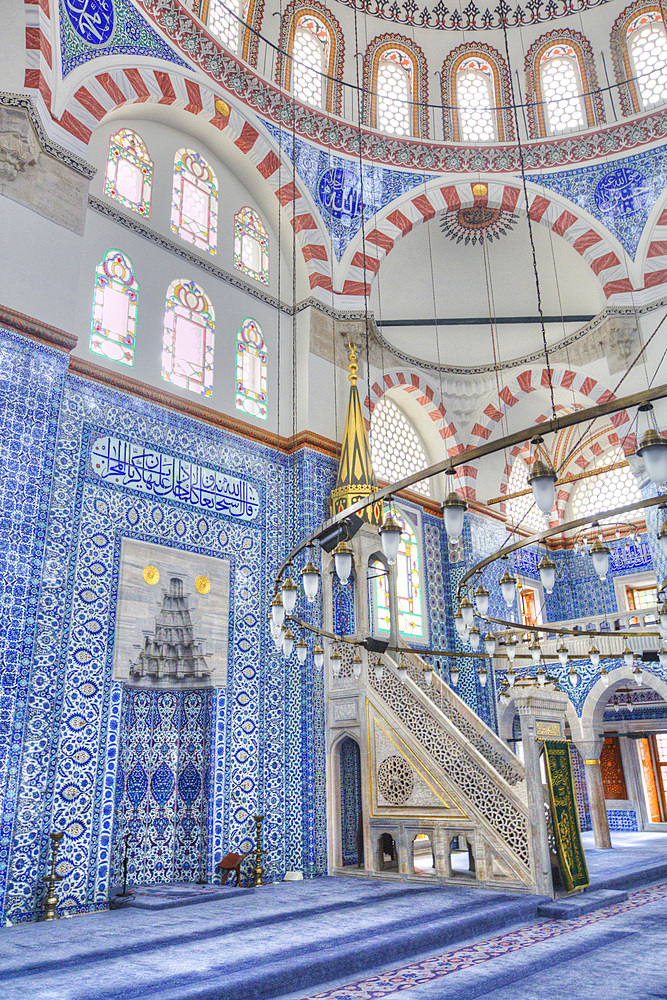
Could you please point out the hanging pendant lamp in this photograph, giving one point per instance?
(482, 601)
(390, 537)
(599, 554)
(490, 644)
(508, 588)
(289, 592)
(547, 571)
(542, 481)
(310, 578)
(482, 675)
(467, 610)
(453, 511)
(343, 562)
(653, 452)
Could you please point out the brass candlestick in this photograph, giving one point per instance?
(258, 871)
(51, 880)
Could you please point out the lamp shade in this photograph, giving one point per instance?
(458, 622)
(510, 676)
(628, 657)
(604, 675)
(454, 675)
(474, 637)
(468, 611)
(594, 654)
(535, 651)
(428, 676)
(356, 666)
(508, 588)
(490, 643)
(378, 669)
(402, 673)
(653, 452)
(600, 556)
(301, 650)
(482, 601)
(288, 643)
(573, 676)
(542, 481)
(510, 648)
(277, 610)
(504, 696)
(343, 562)
(390, 537)
(482, 675)
(547, 569)
(335, 662)
(562, 652)
(637, 674)
(310, 578)
(541, 676)
(318, 656)
(453, 511)
(290, 593)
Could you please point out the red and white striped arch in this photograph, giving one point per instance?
(655, 265)
(591, 244)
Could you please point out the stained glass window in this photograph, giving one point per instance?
(396, 449)
(129, 172)
(561, 89)
(251, 245)
(606, 491)
(394, 92)
(194, 203)
(408, 586)
(222, 23)
(187, 345)
(114, 309)
(251, 370)
(474, 97)
(310, 50)
(647, 44)
(523, 511)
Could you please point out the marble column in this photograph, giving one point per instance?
(590, 751)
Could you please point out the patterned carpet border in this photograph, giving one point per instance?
(426, 971)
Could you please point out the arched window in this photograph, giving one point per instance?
(396, 448)
(313, 36)
(476, 98)
(606, 491)
(251, 370)
(129, 173)
(194, 203)
(563, 92)
(639, 48)
(187, 344)
(395, 89)
(251, 245)
(408, 586)
(114, 309)
(222, 23)
(522, 511)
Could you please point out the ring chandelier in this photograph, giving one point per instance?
(334, 533)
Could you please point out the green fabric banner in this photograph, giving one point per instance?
(564, 815)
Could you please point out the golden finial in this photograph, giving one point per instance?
(352, 367)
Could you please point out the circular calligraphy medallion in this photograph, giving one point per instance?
(339, 193)
(151, 575)
(202, 584)
(622, 192)
(93, 20)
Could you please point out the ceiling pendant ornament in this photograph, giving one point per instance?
(476, 224)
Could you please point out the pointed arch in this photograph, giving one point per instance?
(129, 172)
(488, 71)
(562, 62)
(114, 323)
(251, 370)
(301, 19)
(188, 339)
(251, 245)
(239, 34)
(194, 202)
(397, 449)
(638, 44)
(402, 60)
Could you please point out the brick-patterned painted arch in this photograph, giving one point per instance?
(104, 91)
(592, 244)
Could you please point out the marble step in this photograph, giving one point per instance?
(584, 902)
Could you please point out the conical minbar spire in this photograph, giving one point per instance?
(356, 479)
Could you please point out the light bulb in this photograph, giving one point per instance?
(278, 610)
(490, 643)
(482, 675)
(508, 588)
(343, 562)
(356, 665)
(390, 537)
(547, 569)
(510, 648)
(542, 481)
(482, 601)
(562, 654)
(628, 657)
(535, 650)
(288, 643)
(318, 656)
(290, 593)
(301, 650)
(454, 675)
(653, 451)
(335, 663)
(475, 638)
(594, 654)
(310, 578)
(453, 510)
(467, 610)
(599, 554)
